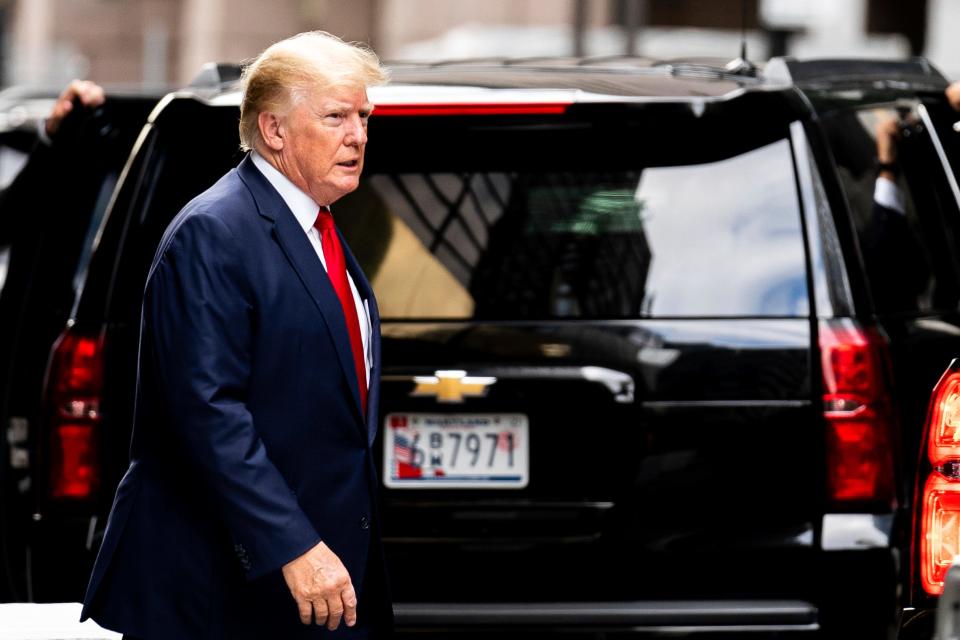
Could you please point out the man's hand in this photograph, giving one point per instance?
(88, 93)
(322, 588)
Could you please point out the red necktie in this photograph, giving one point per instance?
(337, 271)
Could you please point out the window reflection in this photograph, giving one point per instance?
(905, 220)
(726, 237)
(713, 239)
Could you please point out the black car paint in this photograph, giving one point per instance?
(49, 213)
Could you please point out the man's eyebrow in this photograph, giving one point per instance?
(341, 106)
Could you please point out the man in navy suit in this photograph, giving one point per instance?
(248, 510)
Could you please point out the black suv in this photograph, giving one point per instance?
(49, 216)
(636, 374)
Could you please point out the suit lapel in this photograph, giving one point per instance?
(302, 257)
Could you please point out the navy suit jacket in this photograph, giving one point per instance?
(249, 443)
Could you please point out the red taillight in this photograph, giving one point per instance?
(74, 386)
(940, 529)
(944, 438)
(940, 520)
(472, 109)
(860, 422)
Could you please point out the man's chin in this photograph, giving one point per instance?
(342, 189)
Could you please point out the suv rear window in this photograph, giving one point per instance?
(644, 233)
(603, 214)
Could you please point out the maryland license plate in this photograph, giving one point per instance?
(456, 451)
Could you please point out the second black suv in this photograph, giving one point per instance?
(49, 216)
(636, 375)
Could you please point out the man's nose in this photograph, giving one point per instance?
(357, 135)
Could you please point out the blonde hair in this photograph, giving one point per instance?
(288, 70)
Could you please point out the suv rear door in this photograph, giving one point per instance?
(912, 258)
(619, 294)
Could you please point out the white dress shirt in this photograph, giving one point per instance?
(887, 194)
(305, 211)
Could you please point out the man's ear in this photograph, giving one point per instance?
(271, 130)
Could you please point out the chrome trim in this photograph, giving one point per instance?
(4, 264)
(941, 154)
(727, 615)
(91, 532)
(856, 531)
(822, 243)
(486, 541)
(80, 280)
(947, 621)
(725, 404)
(514, 505)
(618, 383)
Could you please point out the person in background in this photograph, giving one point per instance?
(892, 252)
(83, 92)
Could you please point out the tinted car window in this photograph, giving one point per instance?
(690, 238)
(909, 256)
(946, 122)
(13, 157)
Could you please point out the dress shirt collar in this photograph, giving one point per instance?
(303, 206)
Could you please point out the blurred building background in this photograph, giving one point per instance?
(154, 42)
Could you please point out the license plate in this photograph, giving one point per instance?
(456, 451)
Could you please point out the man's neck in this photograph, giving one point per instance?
(300, 203)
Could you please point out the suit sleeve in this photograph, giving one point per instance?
(896, 263)
(197, 319)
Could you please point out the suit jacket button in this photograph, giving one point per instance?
(364, 523)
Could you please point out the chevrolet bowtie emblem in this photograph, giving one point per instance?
(451, 386)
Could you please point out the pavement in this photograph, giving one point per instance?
(59, 621)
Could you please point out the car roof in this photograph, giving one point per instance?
(840, 84)
(608, 79)
(633, 79)
(914, 73)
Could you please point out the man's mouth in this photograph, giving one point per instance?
(350, 164)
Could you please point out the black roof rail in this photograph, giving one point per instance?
(214, 74)
(623, 58)
(469, 61)
(541, 60)
(712, 68)
(838, 71)
(698, 67)
(693, 70)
